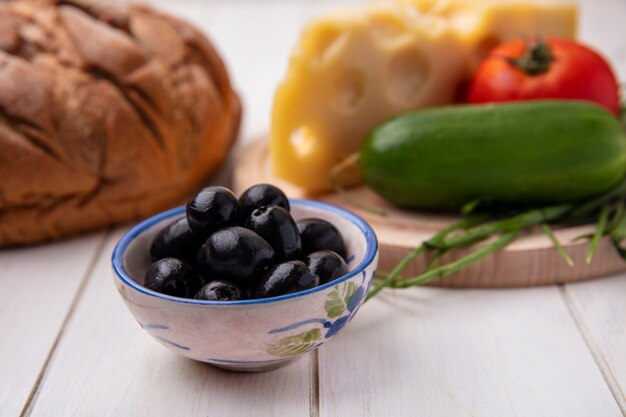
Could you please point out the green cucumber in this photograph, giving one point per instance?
(516, 154)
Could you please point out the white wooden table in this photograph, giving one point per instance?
(69, 347)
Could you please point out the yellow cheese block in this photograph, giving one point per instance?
(354, 68)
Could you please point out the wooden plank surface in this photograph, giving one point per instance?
(600, 311)
(435, 352)
(429, 352)
(37, 289)
(105, 365)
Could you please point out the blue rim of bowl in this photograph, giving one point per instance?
(121, 246)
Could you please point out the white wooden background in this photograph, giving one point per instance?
(69, 347)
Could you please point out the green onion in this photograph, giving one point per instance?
(599, 232)
(607, 210)
(456, 266)
(557, 244)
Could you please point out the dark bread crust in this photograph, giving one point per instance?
(107, 114)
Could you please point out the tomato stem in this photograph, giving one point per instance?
(536, 60)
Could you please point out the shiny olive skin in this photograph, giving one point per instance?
(235, 254)
(277, 227)
(219, 290)
(285, 278)
(174, 277)
(262, 195)
(318, 234)
(327, 265)
(176, 240)
(212, 209)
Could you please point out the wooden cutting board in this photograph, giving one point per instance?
(529, 260)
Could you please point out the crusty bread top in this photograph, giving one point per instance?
(107, 113)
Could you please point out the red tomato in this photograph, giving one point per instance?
(544, 69)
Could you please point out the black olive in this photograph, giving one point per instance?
(212, 209)
(172, 276)
(262, 195)
(235, 254)
(285, 278)
(275, 224)
(219, 290)
(318, 234)
(327, 265)
(175, 240)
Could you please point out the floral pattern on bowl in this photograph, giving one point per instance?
(344, 298)
(248, 335)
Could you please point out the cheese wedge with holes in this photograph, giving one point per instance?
(354, 68)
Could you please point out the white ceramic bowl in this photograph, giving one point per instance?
(248, 335)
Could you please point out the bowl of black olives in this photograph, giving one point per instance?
(246, 283)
